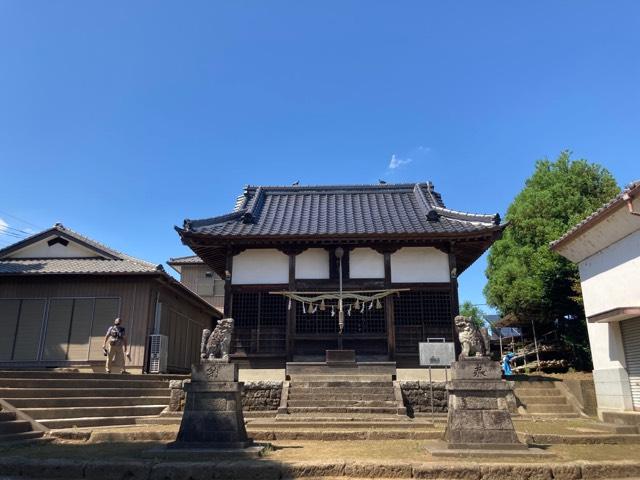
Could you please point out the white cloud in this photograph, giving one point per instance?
(398, 162)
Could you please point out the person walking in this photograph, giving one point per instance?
(115, 346)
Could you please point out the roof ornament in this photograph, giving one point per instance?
(186, 224)
(433, 216)
(497, 219)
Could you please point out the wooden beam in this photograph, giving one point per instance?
(291, 314)
(388, 309)
(455, 302)
(228, 295)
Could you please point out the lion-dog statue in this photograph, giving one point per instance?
(474, 340)
(217, 344)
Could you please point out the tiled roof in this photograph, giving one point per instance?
(72, 266)
(594, 216)
(190, 260)
(385, 209)
(107, 260)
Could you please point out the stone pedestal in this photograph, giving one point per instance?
(478, 416)
(213, 409)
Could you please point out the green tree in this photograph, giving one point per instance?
(468, 309)
(525, 277)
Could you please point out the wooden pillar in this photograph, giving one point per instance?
(228, 297)
(291, 314)
(388, 309)
(455, 303)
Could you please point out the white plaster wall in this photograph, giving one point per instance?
(42, 250)
(366, 263)
(611, 278)
(313, 264)
(260, 266)
(419, 264)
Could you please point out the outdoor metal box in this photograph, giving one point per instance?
(437, 354)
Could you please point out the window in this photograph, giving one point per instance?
(260, 322)
(420, 315)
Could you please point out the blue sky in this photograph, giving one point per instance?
(120, 119)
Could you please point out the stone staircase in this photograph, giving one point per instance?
(13, 429)
(60, 400)
(345, 396)
(541, 398)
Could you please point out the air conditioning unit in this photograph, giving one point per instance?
(159, 346)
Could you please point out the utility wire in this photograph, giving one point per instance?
(21, 220)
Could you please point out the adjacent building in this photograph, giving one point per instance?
(59, 291)
(606, 247)
(200, 278)
(284, 253)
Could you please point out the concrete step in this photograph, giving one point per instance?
(550, 415)
(88, 383)
(14, 426)
(538, 392)
(21, 436)
(58, 402)
(335, 435)
(533, 409)
(81, 412)
(537, 384)
(113, 391)
(39, 374)
(341, 403)
(7, 416)
(342, 396)
(60, 423)
(333, 392)
(538, 400)
(340, 417)
(389, 410)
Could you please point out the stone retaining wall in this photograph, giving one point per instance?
(255, 395)
(261, 395)
(266, 469)
(417, 397)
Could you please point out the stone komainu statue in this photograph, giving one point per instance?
(472, 338)
(217, 344)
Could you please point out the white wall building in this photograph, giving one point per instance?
(606, 247)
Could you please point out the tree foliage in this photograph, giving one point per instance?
(525, 277)
(468, 309)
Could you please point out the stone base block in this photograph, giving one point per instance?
(442, 450)
(239, 450)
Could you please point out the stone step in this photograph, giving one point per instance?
(537, 384)
(298, 395)
(541, 400)
(9, 393)
(333, 383)
(59, 423)
(76, 412)
(341, 403)
(88, 383)
(335, 435)
(21, 436)
(40, 374)
(388, 410)
(14, 426)
(7, 416)
(542, 392)
(340, 417)
(341, 378)
(550, 409)
(337, 425)
(333, 392)
(87, 401)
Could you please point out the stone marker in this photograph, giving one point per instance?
(212, 416)
(478, 418)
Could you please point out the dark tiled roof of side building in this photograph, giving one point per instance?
(632, 188)
(190, 260)
(384, 209)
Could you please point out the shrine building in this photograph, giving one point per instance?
(292, 257)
